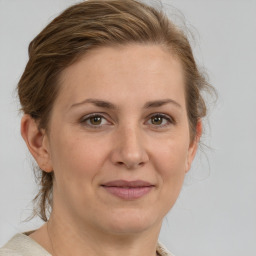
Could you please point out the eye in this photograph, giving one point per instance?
(94, 120)
(157, 120)
(160, 120)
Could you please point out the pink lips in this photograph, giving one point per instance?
(128, 190)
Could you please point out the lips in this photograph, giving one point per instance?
(128, 190)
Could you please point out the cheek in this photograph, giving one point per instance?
(76, 157)
(170, 161)
(77, 160)
(171, 156)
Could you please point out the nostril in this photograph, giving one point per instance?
(130, 166)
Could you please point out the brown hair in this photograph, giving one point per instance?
(85, 26)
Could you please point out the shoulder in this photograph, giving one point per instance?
(8, 252)
(21, 245)
(162, 251)
(10, 248)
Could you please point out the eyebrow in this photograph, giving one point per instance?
(109, 105)
(96, 102)
(159, 103)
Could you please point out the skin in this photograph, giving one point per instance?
(126, 143)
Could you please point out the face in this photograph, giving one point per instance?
(119, 141)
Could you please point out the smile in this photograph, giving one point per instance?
(128, 190)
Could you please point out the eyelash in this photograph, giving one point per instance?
(88, 117)
(168, 119)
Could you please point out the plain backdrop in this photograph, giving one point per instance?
(216, 211)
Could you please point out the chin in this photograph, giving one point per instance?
(131, 222)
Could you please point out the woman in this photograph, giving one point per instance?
(112, 107)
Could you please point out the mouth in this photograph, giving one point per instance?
(128, 190)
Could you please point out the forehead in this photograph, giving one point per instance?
(117, 73)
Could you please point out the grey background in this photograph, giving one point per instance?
(216, 211)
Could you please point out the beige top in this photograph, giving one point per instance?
(23, 245)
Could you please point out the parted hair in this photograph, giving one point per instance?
(86, 26)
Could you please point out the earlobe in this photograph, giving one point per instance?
(194, 145)
(37, 142)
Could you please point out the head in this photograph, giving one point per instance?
(124, 54)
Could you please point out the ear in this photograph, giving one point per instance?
(37, 142)
(194, 145)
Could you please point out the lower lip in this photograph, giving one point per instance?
(128, 193)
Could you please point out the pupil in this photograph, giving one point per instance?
(95, 120)
(157, 120)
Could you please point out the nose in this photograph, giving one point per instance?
(129, 149)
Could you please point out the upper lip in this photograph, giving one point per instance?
(129, 184)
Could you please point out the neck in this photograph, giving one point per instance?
(68, 238)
